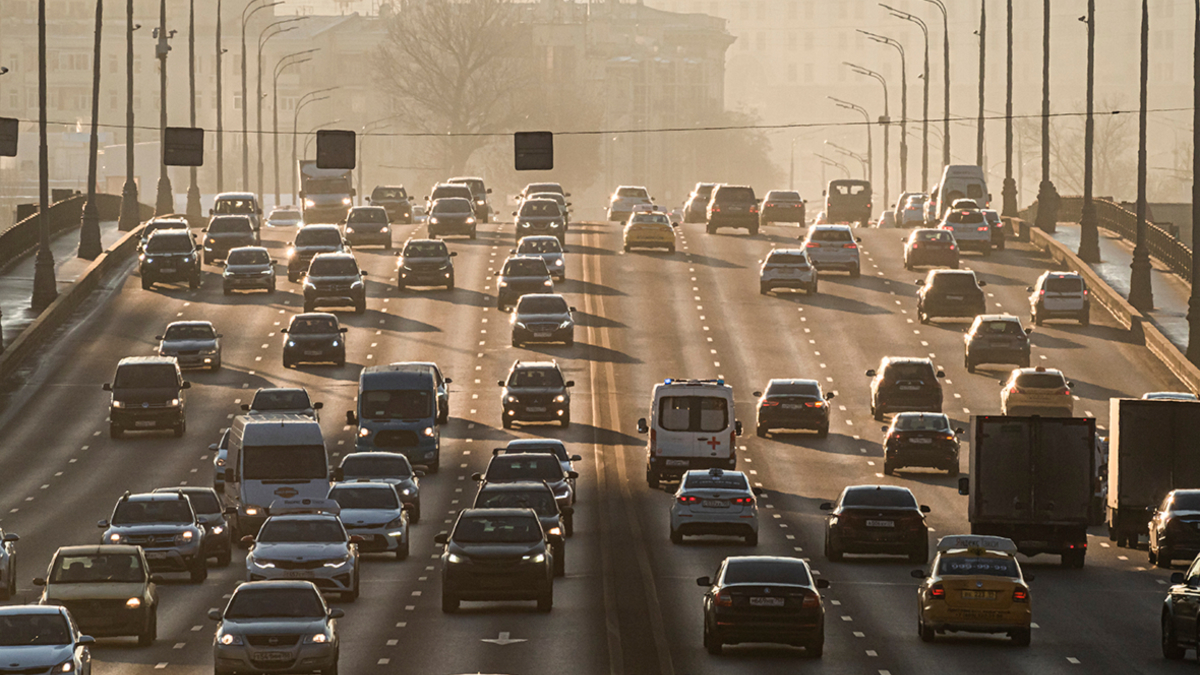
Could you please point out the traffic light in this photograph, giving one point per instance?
(184, 146)
(534, 150)
(335, 149)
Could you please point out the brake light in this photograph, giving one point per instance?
(723, 599)
(815, 404)
(1085, 292)
(938, 592)
(951, 247)
(849, 245)
(1065, 390)
(916, 246)
(1042, 292)
(983, 228)
(812, 245)
(770, 404)
(811, 601)
(753, 209)
(688, 499)
(770, 204)
(947, 437)
(743, 500)
(716, 209)
(653, 442)
(1020, 595)
(732, 442)
(1014, 390)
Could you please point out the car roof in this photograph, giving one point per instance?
(538, 237)
(515, 486)
(187, 489)
(907, 359)
(914, 413)
(764, 558)
(334, 254)
(715, 473)
(782, 380)
(375, 454)
(475, 513)
(364, 484)
(190, 323)
(320, 226)
(367, 208)
(276, 583)
(1037, 369)
(314, 315)
(155, 496)
(236, 195)
(305, 516)
(152, 360)
(534, 364)
(828, 226)
(997, 317)
(547, 200)
(541, 295)
(788, 251)
(99, 549)
(524, 442)
(20, 610)
(250, 248)
(301, 390)
(417, 240)
(878, 488)
(1061, 275)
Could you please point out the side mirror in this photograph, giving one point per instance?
(418, 473)
(214, 614)
(871, 373)
(283, 331)
(1070, 385)
(10, 537)
(338, 474)
(570, 383)
(357, 539)
(210, 211)
(829, 395)
(102, 524)
(453, 253)
(884, 428)
(246, 406)
(982, 283)
(185, 385)
(500, 383)
(1028, 331)
(231, 511)
(757, 394)
(576, 458)
(158, 337)
(107, 387)
(488, 191)
(201, 520)
(363, 273)
(351, 418)
(477, 477)
(822, 583)
(514, 213)
(441, 538)
(858, 239)
(85, 640)
(941, 374)
(1029, 289)
(826, 506)
(758, 492)
(247, 540)
(920, 282)
(737, 427)
(924, 509)
(572, 474)
(572, 309)
(964, 486)
(274, 261)
(512, 250)
(318, 405)
(642, 426)
(337, 613)
(703, 581)
(918, 574)
(38, 581)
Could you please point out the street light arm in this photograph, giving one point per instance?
(250, 4)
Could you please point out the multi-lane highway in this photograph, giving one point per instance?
(629, 602)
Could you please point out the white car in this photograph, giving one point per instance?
(305, 539)
(833, 247)
(913, 212)
(374, 512)
(787, 268)
(715, 502)
(971, 229)
(1037, 391)
(1060, 295)
(624, 199)
(8, 564)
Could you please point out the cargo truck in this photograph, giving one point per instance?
(326, 194)
(1031, 480)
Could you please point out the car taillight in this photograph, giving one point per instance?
(1020, 595)
(812, 244)
(753, 209)
(1014, 390)
(770, 204)
(811, 601)
(732, 441)
(946, 227)
(938, 592)
(1042, 292)
(688, 499)
(983, 228)
(951, 247)
(716, 209)
(654, 442)
(1065, 390)
(915, 246)
(849, 245)
(743, 500)
(947, 437)
(723, 599)
(815, 404)
(770, 404)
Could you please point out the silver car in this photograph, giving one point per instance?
(390, 468)
(305, 539)
(549, 249)
(971, 229)
(247, 268)
(8, 565)
(283, 401)
(374, 512)
(833, 247)
(269, 625)
(42, 639)
(195, 344)
(787, 268)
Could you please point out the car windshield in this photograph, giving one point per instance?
(204, 502)
(122, 568)
(792, 572)
(810, 389)
(368, 215)
(541, 208)
(935, 235)
(921, 422)
(710, 482)
(787, 259)
(535, 188)
(1186, 500)
(693, 413)
(541, 305)
(524, 467)
(230, 226)
(954, 282)
(381, 404)
(307, 530)
(234, 206)
(555, 448)
(548, 378)
(252, 256)
(879, 497)
(453, 205)
(1000, 328)
(497, 530)
(541, 245)
(783, 196)
(170, 241)
(267, 603)
(33, 630)
(444, 191)
(541, 501)
(355, 466)
(914, 202)
(326, 186)
(908, 371)
(284, 462)
(189, 332)
(554, 196)
(152, 511)
(1040, 381)
(318, 236)
(735, 194)
(425, 249)
(970, 566)
(313, 326)
(526, 267)
(388, 193)
(1064, 285)
(632, 192)
(831, 234)
(333, 267)
(284, 215)
(280, 399)
(147, 376)
(350, 497)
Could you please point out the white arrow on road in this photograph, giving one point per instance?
(503, 639)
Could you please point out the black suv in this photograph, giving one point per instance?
(368, 225)
(425, 262)
(497, 554)
(452, 215)
(521, 274)
(530, 495)
(902, 384)
(535, 391)
(311, 240)
(225, 233)
(395, 199)
(793, 404)
(314, 338)
(733, 206)
(164, 525)
(920, 439)
(170, 255)
(147, 393)
(950, 293)
(996, 338)
(335, 279)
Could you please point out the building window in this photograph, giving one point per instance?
(237, 101)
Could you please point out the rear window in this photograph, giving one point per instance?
(1186, 500)
(224, 206)
(261, 603)
(704, 191)
(999, 328)
(726, 482)
(654, 218)
(632, 192)
(922, 422)
(1064, 285)
(557, 449)
(541, 305)
(954, 282)
(147, 376)
(230, 226)
(974, 191)
(693, 413)
(157, 511)
(963, 566)
(767, 572)
(849, 189)
(333, 267)
(795, 389)
(534, 188)
(831, 235)
(351, 497)
(964, 217)
(908, 371)
(524, 467)
(735, 194)
(452, 205)
(1041, 380)
(783, 196)
(787, 259)
(938, 235)
(204, 502)
(475, 185)
(526, 267)
(321, 236)
(451, 191)
(297, 530)
(879, 497)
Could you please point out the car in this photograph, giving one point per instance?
(220, 453)
(821, 219)
(912, 212)
(238, 204)
(1175, 528)
(996, 338)
(902, 384)
(248, 267)
(165, 526)
(691, 426)
(374, 512)
(649, 230)
(497, 554)
(1170, 396)
(521, 274)
(920, 439)
(997, 224)
(970, 228)
(536, 495)
(305, 539)
(425, 262)
(266, 623)
(534, 188)
(1060, 295)
(535, 391)
(974, 585)
(218, 542)
(717, 502)
(441, 383)
(950, 294)
(283, 401)
(391, 468)
(314, 337)
(543, 317)
(788, 268)
(395, 199)
(335, 279)
(620, 205)
(533, 466)
(930, 247)
(563, 204)
(227, 232)
(108, 590)
(311, 240)
(732, 206)
(285, 216)
(549, 249)
(764, 599)
(965, 204)
(887, 220)
(367, 225)
(452, 215)
(172, 222)
(8, 564)
(37, 639)
(540, 216)
(170, 255)
(848, 201)
(446, 190)
(1037, 391)
(1179, 613)
(876, 519)
(147, 393)
(479, 193)
(194, 344)
(833, 247)
(782, 206)
(696, 205)
(548, 445)
(793, 404)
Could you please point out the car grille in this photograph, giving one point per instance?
(36, 670)
(298, 564)
(90, 608)
(396, 438)
(188, 352)
(151, 540)
(272, 640)
(333, 287)
(535, 399)
(542, 327)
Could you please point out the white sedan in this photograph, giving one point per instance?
(715, 502)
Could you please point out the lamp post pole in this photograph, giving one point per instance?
(193, 193)
(89, 226)
(925, 96)
(165, 202)
(1010, 186)
(263, 38)
(45, 288)
(792, 165)
(248, 12)
(369, 126)
(279, 68)
(945, 81)
(903, 109)
(982, 76)
(886, 120)
(130, 215)
(851, 154)
(304, 100)
(1141, 295)
(1089, 234)
(1193, 316)
(867, 117)
(1047, 215)
(827, 161)
(220, 108)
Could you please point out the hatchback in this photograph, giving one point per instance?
(1060, 295)
(971, 230)
(920, 439)
(787, 268)
(1037, 391)
(996, 338)
(833, 247)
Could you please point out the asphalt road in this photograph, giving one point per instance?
(629, 603)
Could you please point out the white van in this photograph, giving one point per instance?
(961, 181)
(272, 457)
(691, 427)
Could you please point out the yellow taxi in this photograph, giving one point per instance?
(974, 585)
(648, 229)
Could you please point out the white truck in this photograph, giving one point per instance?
(326, 194)
(691, 426)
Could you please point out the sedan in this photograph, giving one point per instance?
(876, 519)
(764, 599)
(374, 512)
(543, 317)
(259, 613)
(43, 639)
(793, 404)
(929, 247)
(715, 502)
(391, 468)
(195, 344)
(1175, 528)
(314, 337)
(248, 267)
(920, 439)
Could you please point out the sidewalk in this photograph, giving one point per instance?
(1171, 293)
(16, 282)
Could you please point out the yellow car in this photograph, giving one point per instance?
(649, 230)
(1037, 391)
(974, 586)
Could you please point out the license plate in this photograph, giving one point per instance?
(922, 440)
(714, 504)
(167, 270)
(954, 297)
(272, 656)
(766, 602)
(910, 387)
(156, 555)
(297, 574)
(145, 423)
(881, 523)
(536, 408)
(792, 406)
(979, 595)
(677, 462)
(541, 335)
(312, 352)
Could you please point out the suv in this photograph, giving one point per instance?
(536, 391)
(950, 293)
(787, 268)
(452, 215)
(521, 274)
(620, 205)
(218, 539)
(162, 223)
(107, 589)
(997, 224)
(543, 317)
(167, 529)
(542, 467)
(479, 193)
(531, 495)
(335, 279)
(367, 225)
(238, 204)
(834, 247)
(315, 337)
(147, 393)
(782, 206)
(996, 338)
(732, 206)
(425, 262)
(444, 190)
(540, 216)
(225, 233)
(920, 439)
(902, 384)
(1060, 295)
(248, 267)
(311, 240)
(694, 207)
(395, 199)
(170, 255)
(516, 561)
(562, 202)
(971, 229)
(691, 426)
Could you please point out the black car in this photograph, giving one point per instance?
(732, 206)
(497, 554)
(543, 317)
(521, 275)
(950, 293)
(452, 215)
(531, 495)
(920, 439)
(793, 404)
(165, 527)
(536, 392)
(392, 468)
(170, 255)
(540, 216)
(541, 467)
(764, 599)
(782, 206)
(225, 233)
(207, 505)
(335, 279)
(876, 519)
(1175, 528)
(147, 393)
(930, 247)
(993, 218)
(367, 225)
(901, 384)
(311, 240)
(996, 338)
(395, 199)
(479, 193)
(695, 208)
(1179, 613)
(425, 262)
(314, 338)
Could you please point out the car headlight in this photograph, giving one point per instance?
(396, 523)
(211, 240)
(525, 225)
(349, 230)
(407, 492)
(357, 284)
(470, 221)
(479, 202)
(269, 270)
(346, 201)
(335, 343)
(564, 325)
(185, 537)
(364, 432)
(309, 203)
(556, 224)
(337, 564)
(554, 530)
(384, 229)
(534, 558)
(253, 510)
(511, 399)
(453, 558)
(65, 667)
(262, 565)
(118, 404)
(291, 343)
(433, 221)
(548, 283)
(173, 403)
(318, 638)
(187, 258)
(133, 603)
(149, 260)
(428, 431)
(558, 263)
(560, 398)
(114, 538)
(220, 461)
(291, 252)
(230, 640)
(503, 284)
(218, 529)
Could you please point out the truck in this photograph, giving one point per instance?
(848, 201)
(325, 193)
(1031, 480)
(1151, 451)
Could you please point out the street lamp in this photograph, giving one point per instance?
(369, 126)
(1193, 316)
(825, 161)
(130, 212)
(867, 117)
(903, 107)
(925, 97)
(304, 100)
(245, 94)
(1047, 215)
(851, 154)
(193, 193)
(1010, 185)
(1141, 295)
(312, 135)
(945, 82)
(263, 39)
(982, 33)
(89, 226)
(279, 68)
(220, 115)
(885, 121)
(45, 288)
(1089, 235)
(165, 202)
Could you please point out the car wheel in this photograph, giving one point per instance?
(570, 342)
(1085, 320)
(816, 648)
(207, 259)
(1022, 637)
(712, 641)
(670, 249)
(227, 291)
(761, 431)
(148, 636)
(450, 284)
(833, 553)
(753, 230)
(360, 307)
(566, 420)
(147, 284)
(1171, 650)
(516, 342)
(414, 516)
(626, 247)
(889, 469)
(812, 290)
(676, 537)
(1151, 557)
(436, 466)
(199, 570)
(823, 431)
(271, 288)
(925, 632)
(331, 670)
(402, 552)
(1165, 557)
(472, 235)
(449, 603)
(763, 289)
(970, 366)
(568, 525)
(652, 479)
(115, 431)
(922, 316)
(194, 283)
(856, 272)
(877, 413)
(751, 539)
(546, 602)
(223, 559)
(180, 428)
(500, 305)
(710, 229)
(1037, 319)
(507, 423)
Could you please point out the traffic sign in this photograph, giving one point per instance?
(9, 128)
(335, 149)
(183, 146)
(534, 150)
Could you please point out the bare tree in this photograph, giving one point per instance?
(1112, 150)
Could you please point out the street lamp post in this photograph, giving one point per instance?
(1089, 234)
(851, 154)
(925, 96)
(1193, 316)
(867, 117)
(1010, 186)
(89, 226)
(45, 288)
(193, 193)
(279, 68)
(130, 213)
(165, 202)
(1141, 295)
(829, 162)
(369, 126)
(220, 115)
(792, 164)
(946, 81)
(982, 76)
(1047, 215)
(903, 109)
(312, 135)
(886, 120)
(304, 100)
(248, 12)
(263, 39)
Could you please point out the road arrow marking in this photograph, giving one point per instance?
(503, 639)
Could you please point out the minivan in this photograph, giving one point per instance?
(691, 426)
(961, 181)
(238, 204)
(398, 412)
(147, 393)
